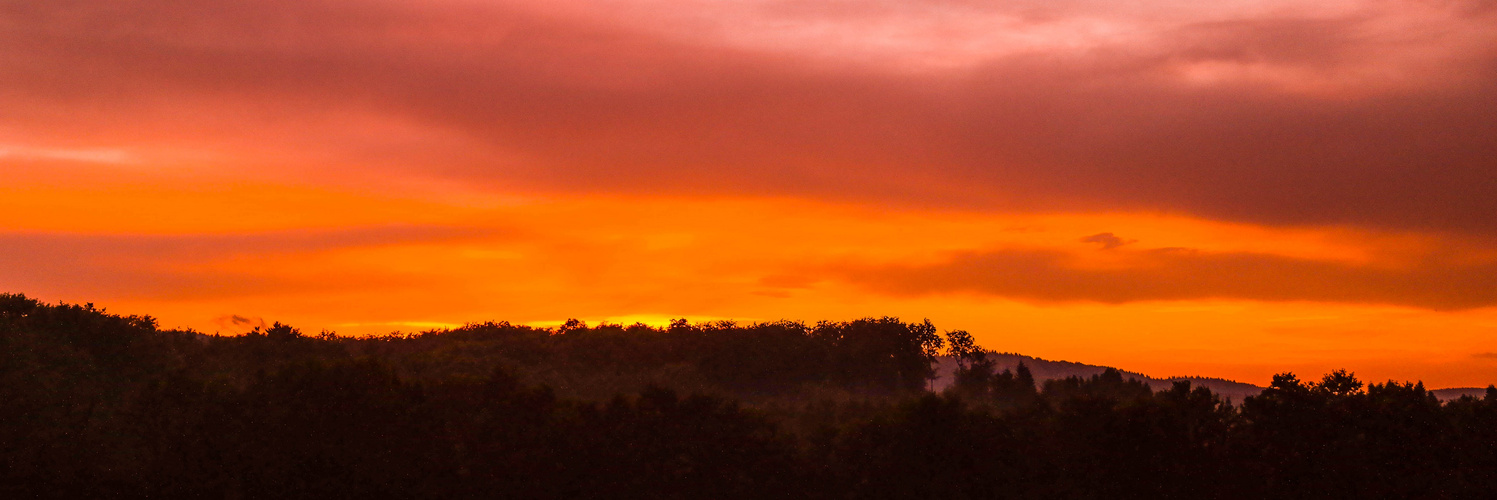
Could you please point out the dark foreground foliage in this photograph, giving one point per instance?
(94, 405)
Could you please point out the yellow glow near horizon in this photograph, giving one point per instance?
(649, 259)
(1217, 188)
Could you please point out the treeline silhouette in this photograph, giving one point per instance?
(95, 405)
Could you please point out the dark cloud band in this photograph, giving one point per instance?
(1290, 119)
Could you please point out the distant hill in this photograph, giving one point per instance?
(1044, 369)
(1457, 392)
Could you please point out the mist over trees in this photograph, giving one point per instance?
(100, 405)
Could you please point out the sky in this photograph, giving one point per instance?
(1230, 189)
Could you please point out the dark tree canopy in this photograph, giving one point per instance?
(97, 405)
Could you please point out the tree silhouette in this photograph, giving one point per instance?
(1340, 383)
(102, 405)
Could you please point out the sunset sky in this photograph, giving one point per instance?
(1228, 188)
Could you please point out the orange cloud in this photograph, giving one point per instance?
(646, 257)
(240, 324)
(191, 266)
(1433, 282)
(1108, 241)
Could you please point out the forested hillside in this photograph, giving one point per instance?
(1045, 370)
(101, 405)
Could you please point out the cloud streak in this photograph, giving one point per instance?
(1108, 241)
(1184, 274)
(186, 267)
(240, 324)
(77, 155)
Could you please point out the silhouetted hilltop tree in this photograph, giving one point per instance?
(1108, 387)
(1335, 438)
(881, 354)
(974, 372)
(769, 357)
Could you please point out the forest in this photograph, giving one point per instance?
(99, 405)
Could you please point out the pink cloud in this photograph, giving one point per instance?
(1359, 113)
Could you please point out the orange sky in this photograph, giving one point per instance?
(1227, 189)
